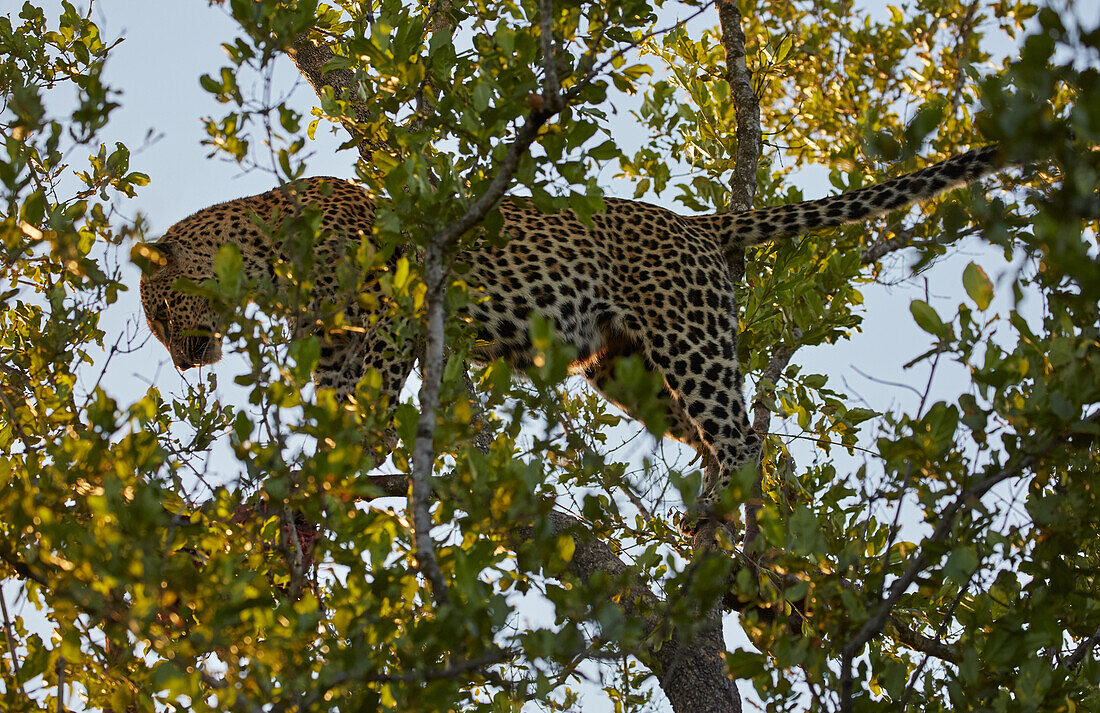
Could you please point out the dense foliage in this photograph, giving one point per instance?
(949, 565)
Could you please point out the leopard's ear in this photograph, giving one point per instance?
(150, 257)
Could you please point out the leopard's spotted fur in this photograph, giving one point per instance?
(643, 280)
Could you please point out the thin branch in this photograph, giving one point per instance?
(432, 379)
(497, 187)
(924, 644)
(9, 634)
(902, 239)
(419, 675)
(483, 436)
(21, 568)
(940, 631)
(1082, 650)
(965, 30)
(291, 545)
(449, 671)
(922, 560)
(424, 447)
(761, 417)
(60, 668)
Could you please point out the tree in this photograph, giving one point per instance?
(938, 555)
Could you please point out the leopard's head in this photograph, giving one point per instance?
(184, 323)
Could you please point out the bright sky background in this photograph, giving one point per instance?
(168, 45)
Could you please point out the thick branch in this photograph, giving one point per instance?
(310, 59)
(742, 191)
(746, 107)
(691, 670)
(551, 85)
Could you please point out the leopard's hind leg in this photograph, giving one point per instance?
(696, 355)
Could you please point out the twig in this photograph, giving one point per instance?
(9, 634)
(292, 550)
(60, 684)
(886, 382)
(450, 671)
(593, 70)
(483, 437)
(822, 441)
(966, 29)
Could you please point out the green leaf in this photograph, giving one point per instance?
(978, 285)
(961, 564)
(927, 318)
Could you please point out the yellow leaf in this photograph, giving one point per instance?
(566, 547)
(401, 277)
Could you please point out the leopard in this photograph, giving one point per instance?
(633, 280)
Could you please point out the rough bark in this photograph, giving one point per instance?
(310, 58)
(742, 192)
(746, 107)
(690, 667)
(747, 110)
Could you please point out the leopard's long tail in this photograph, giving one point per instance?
(753, 227)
